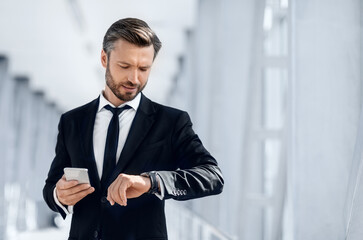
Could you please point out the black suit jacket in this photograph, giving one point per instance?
(160, 139)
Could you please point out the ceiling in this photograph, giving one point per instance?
(57, 43)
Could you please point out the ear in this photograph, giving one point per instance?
(104, 58)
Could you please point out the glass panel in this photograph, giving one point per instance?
(272, 153)
(274, 98)
(275, 28)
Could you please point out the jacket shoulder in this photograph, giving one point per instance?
(168, 111)
(81, 110)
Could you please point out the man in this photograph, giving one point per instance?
(138, 153)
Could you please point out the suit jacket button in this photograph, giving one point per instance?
(95, 234)
(104, 200)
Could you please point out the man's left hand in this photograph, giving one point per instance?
(127, 186)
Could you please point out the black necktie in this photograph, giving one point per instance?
(109, 160)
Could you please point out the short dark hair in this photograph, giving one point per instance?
(132, 30)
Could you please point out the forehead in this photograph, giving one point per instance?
(125, 51)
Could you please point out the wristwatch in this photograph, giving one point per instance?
(153, 180)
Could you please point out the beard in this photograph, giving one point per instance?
(125, 97)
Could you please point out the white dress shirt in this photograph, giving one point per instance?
(103, 118)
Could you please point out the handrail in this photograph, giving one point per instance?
(184, 224)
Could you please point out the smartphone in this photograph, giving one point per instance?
(79, 174)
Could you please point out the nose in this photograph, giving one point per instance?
(133, 76)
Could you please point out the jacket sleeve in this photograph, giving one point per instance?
(197, 173)
(60, 161)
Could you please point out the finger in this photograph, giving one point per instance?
(111, 191)
(112, 202)
(114, 190)
(64, 184)
(70, 181)
(74, 198)
(79, 188)
(109, 194)
(109, 198)
(122, 192)
(65, 193)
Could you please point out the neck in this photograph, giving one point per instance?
(108, 94)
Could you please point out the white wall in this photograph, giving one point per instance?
(327, 83)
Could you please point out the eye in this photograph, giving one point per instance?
(124, 67)
(143, 69)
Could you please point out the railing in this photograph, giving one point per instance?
(183, 224)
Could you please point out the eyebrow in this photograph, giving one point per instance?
(126, 63)
(123, 62)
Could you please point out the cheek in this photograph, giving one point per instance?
(118, 74)
(143, 76)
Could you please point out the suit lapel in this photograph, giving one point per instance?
(87, 126)
(141, 125)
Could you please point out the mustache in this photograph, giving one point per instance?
(129, 84)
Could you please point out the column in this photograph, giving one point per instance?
(326, 74)
(3, 84)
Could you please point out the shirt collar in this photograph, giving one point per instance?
(134, 103)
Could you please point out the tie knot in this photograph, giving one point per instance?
(117, 111)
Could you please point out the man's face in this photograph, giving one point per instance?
(127, 69)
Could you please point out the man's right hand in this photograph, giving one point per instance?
(70, 192)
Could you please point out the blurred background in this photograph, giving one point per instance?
(274, 89)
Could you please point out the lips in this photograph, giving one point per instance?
(130, 88)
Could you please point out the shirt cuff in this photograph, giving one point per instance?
(68, 210)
